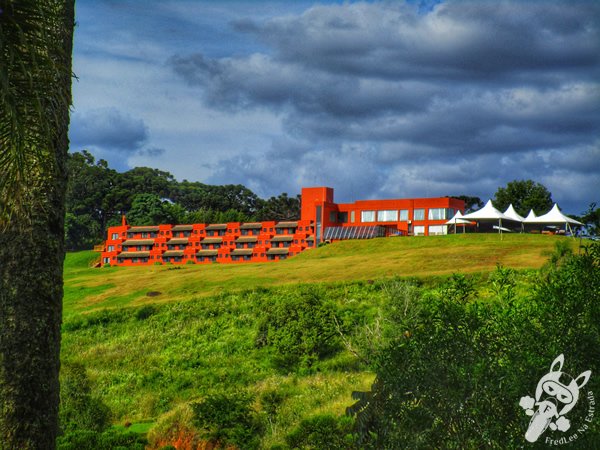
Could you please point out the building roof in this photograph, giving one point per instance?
(173, 253)
(216, 226)
(207, 253)
(250, 226)
(182, 228)
(278, 251)
(142, 229)
(282, 238)
(247, 239)
(133, 255)
(211, 240)
(138, 242)
(242, 252)
(174, 241)
(286, 225)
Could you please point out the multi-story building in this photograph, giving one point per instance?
(321, 219)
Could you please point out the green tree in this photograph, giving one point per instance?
(149, 209)
(524, 195)
(35, 78)
(281, 207)
(471, 203)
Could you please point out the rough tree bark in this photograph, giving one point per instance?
(34, 119)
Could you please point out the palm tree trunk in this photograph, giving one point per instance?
(32, 248)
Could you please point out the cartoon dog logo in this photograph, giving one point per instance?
(556, 394)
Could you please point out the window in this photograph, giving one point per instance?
(404, 215)
(437, 229)
(367, 216)
(343, 217)
(111, 248)
(387, 216)
(115, 236)
(419, 230)
(352, 218)
(106, 260)
(332, 216)
(437, 214)
(419, 214)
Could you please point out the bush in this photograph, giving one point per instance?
(144, 312)
(79, 409)
(455, 380)
(323, 432)
(93, 440)
(228, 419)
(300, 328)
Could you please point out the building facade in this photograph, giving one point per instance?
(321, 220)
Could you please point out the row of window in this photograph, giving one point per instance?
(138, 248)
(419, 230)
(251, 232)
(393, 215)
(213, 258)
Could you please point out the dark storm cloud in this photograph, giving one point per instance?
(108, 128)
(492, 90)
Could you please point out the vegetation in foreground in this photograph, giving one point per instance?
(434, 362)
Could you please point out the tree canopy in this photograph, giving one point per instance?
(524, 196)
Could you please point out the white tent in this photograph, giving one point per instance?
(510, 212)
(489, 213)
(555, 216)
(458, 220)
(531, 217)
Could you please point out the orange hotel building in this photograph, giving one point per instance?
(321, 220)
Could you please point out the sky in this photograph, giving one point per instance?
(388, 99)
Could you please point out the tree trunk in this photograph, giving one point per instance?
(31, 269)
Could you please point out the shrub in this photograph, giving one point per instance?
(323, 432)
(299, 327)
(456, 379)
(228, 419)
(144, 312)
(79, 409)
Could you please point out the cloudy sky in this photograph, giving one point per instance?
(375, 99)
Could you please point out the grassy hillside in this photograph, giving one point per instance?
(89, 289)
(197, 334)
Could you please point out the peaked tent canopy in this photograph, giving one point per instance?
(488, 212)
(531, 217)
(555, 216)
(458, 220)
(510, 212)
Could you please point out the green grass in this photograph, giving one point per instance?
(150, 356)
(88, 289)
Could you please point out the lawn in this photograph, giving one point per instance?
(88, 289)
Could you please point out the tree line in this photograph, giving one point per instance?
(97, 197)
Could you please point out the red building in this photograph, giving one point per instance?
(321, 219)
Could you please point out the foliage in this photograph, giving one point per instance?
(149, 209)
(591, 219)
(502, 282)
(458, 288)
(323, 431)
(471, 203)
(228, 419)
(281, 208)
(79, 409)
(455, 380)
(299, 328)
(93, 440)
(524, 196)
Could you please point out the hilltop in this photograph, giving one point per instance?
(89, 289)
